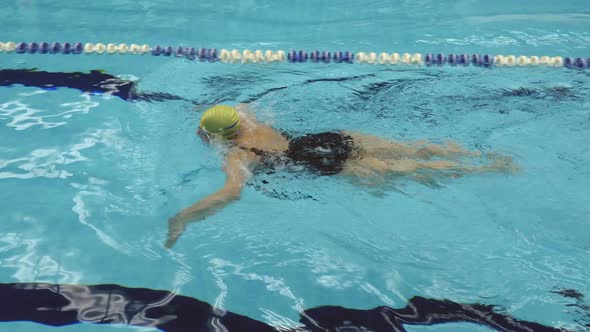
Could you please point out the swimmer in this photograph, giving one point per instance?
(251, 144)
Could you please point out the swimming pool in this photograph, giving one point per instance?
(89, 181)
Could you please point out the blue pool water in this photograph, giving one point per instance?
(87, 183)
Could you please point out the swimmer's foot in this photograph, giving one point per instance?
(456, 149)
(502, 163)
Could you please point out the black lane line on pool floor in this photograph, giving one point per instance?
(94, 82)
(61, 305)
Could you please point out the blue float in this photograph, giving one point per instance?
(168, 51)
(348, 57)
(33, 47)
(202, 54)
(78, 48)
(212, 55)
(302, 56)
(463, 59)
(291, 56)
(429, 59)
(190, 53)
(21, 48)
(67, 48)
(440, 59)
(487, 60)
(314, 56)
(452, 59)
(54, 48)
(579, 63)
(297, 56)
(157, 50)
(44, 48)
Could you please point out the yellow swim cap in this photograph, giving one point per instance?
(221, 119)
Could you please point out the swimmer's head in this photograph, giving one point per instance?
(219, 121)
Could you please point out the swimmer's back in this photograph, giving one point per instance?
(256, 135)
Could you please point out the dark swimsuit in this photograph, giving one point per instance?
(323, 153)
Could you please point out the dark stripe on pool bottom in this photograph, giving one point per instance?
(60, 305)
(93, 82)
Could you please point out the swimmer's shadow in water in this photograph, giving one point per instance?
(380, 186)
(263, 181)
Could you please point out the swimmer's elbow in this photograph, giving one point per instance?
(233, 194)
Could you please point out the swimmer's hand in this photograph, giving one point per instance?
(236, 168)
(200, 211)
(176, 226)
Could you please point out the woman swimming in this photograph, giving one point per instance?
(251, 144)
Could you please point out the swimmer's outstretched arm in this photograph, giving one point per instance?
(237, 170)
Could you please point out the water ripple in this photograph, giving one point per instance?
(331, 272)
(24, 256)
(21, 116)
(92, 189)
(46, 162)
(562, 17)
(273, 284)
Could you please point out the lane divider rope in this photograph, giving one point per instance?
(268, 56)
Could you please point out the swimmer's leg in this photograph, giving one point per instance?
(449, 150)
(405, 165)
(498, 164)
(362, 173)
(373, 146)
(371, 166)
(373, 172)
